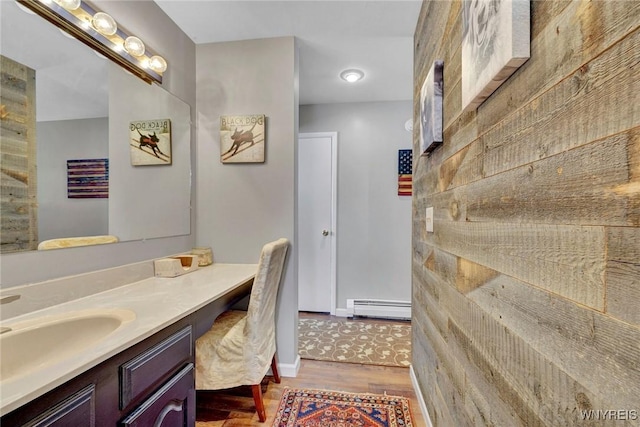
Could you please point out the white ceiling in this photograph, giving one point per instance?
(375, 36)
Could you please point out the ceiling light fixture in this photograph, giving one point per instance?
(100, 31)
(352, 75)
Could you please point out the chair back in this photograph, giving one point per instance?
(260, 326)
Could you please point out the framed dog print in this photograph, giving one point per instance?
(150, 142)
(242, 139)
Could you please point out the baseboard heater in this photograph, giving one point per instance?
(387, 309)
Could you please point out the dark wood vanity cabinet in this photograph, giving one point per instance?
(149, 384)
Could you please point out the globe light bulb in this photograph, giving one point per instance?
(104, 24)
(134, 46)
(69, 4)
(158, 64)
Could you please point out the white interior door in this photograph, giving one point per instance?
(316, 221)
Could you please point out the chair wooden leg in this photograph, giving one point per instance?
(274, 369)
(257, 397)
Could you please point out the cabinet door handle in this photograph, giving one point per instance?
(171, 406)
(325, 232)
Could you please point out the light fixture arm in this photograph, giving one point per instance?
(78, 24)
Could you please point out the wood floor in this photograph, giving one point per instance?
(236, 408)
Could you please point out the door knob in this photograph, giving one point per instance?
(325, 232)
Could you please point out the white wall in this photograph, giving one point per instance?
(374, 223)
(160, 33)
(59, 216)
(240, 207)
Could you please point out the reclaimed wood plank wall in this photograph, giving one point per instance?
(18, 195)
(526, 297)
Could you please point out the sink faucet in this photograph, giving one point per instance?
(5, 299)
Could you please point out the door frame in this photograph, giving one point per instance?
(334, 207)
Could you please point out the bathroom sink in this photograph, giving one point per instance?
(38, 343)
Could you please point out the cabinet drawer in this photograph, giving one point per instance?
(77, 410)
(173, 405)
(144, 372)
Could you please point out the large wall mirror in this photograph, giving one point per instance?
(86, 108)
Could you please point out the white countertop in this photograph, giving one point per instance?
(157, 303)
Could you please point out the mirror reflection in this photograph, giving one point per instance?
(73, 106)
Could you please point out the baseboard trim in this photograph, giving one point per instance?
(289, 370)
(343, 312)
(420, 397)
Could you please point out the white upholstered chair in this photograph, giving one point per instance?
(241, 345)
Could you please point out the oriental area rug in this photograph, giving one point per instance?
(322, 408)
(374, 342)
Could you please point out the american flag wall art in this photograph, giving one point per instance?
(405, 170)
(88, 179)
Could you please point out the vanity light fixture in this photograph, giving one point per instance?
(100, 31)
(352, 75)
